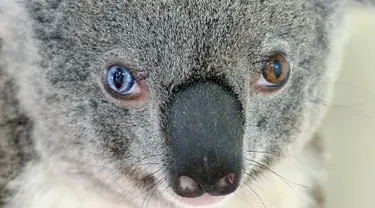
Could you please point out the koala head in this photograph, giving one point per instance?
(180, 99)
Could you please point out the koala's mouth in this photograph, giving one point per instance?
(204, 200)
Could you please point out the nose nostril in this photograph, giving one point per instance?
(230, 178)
(188, 187)
(225, 185)
(188, 183)
(226, 181)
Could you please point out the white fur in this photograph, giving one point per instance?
(45, 187)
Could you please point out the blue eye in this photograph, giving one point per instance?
(120, 80)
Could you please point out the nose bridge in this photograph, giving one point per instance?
(205, 128)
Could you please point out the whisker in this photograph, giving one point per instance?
(257, 195)
(343, 107)
(151, 190)
(323, 102)
(272, 171)
(360, 89)
(244, 195)
(122, 174)
(146, 190)
(151, 163)
(353, 104)
(269, 153)
(156, 186)
(135, 185)
(358, 113)
(255, 180)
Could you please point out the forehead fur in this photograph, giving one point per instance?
(171, 36)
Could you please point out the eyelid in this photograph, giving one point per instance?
(136, 89)
(135, 71)
(264, 83)
(269, 55)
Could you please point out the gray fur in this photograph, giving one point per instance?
(53, 106)
(16, 147)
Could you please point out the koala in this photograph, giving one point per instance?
(161, 103)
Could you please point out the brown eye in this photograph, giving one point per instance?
(276, 71)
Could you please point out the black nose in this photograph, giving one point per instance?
(205, 133)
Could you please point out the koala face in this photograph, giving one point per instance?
(180, 99)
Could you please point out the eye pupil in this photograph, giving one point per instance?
(118, 78)
(277, 69)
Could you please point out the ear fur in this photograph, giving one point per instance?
(368, 5)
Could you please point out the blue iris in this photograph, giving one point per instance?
(120, 80)
(277, 69)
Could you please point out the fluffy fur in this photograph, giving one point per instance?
(64, 142)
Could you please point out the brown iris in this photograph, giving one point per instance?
(276, 70)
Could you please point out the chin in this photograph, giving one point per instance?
(204, 201)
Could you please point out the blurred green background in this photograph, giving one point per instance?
(350, 123)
